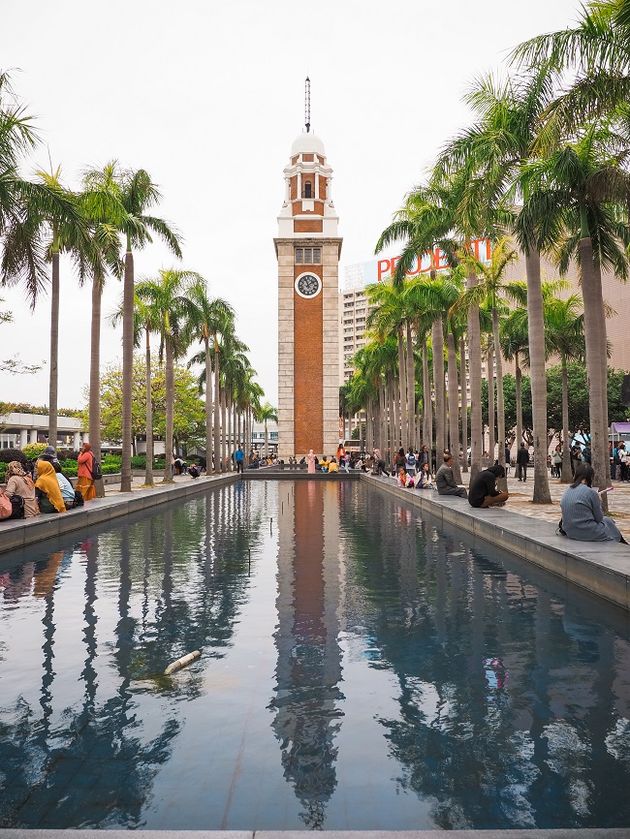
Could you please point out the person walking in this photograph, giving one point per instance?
(239, 459)
(582, 516)
(445, 480)
(85, 473)
(522, 462)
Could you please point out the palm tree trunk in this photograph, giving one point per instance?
(224, 430)
(54, 349)
(519, 401)
(402, 382)
(566, 476)
(411, 388)
(427, 417)
(369, 428)
(498, 361)
(464, 400)
(170, 403)
(437, 338)
(474, 364)
(604, 362)
(148, 469)
(395, 412)
(453, 407)
(127, 372)
(595, 345)
(490, 379)
(208, 405)
(217, 430)
(94, 426)
(536, 334)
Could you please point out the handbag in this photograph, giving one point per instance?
(6, 508)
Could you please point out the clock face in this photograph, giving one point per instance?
(308, 285)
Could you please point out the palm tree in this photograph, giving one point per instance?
(100, 205)
(424, 224)
(597, 52)
(514, 342)
(266, 413)
(168, 298)
(495, 292)
(213, 318)
(564, 322)
(136, 193)
(492, 153)
(389, 315)
(53, 230)
(146, 320)
(574, 196)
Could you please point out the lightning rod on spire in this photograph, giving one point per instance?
(307, 104)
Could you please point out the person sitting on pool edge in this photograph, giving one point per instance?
(483, 490)
(582, 516)
(445, 480)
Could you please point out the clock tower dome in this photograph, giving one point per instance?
(308, 249)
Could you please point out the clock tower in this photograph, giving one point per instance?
(308, 249)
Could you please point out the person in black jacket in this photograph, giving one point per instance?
(483, 491)
(522, 462)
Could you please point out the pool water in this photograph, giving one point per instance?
(360, 669)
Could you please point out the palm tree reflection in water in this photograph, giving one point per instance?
(180, 582)
(308, 672)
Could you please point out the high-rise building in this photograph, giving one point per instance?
(308, 249)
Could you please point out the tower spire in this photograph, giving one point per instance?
(307, 104)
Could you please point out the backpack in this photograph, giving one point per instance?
(97, 474)
(411, 460)
(17, 503)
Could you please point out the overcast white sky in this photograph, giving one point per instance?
(208, 96)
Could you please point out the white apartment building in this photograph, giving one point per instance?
(354, 311)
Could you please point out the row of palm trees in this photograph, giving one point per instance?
(545, 164)
(100, 227)
(412, 322)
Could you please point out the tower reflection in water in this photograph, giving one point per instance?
(307, 716)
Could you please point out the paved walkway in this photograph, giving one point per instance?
(521, 501)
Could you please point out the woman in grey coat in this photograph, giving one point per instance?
(582, 516)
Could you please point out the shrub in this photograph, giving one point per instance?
(69, 468)
(3, 472)
(110, 468)
(31, 451)
(7, 455)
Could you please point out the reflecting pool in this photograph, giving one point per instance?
(360, 669)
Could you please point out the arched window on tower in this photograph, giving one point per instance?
(308, 190)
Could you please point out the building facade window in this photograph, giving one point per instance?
(308, 256)
(308, 190)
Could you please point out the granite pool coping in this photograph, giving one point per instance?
(19, 533)
(602, 568)
(558, 833)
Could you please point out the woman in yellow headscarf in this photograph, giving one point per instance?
(47, 489)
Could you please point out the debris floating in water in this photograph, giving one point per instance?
(182, 662)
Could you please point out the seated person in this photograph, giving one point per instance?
(47, 489)
(67, 490)
(323, 464)
(424, 478)
(483, 490)
(333, 466)
(404, 478)
(19, 482)
(582, 516)
(445, 481)
(194, 471)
